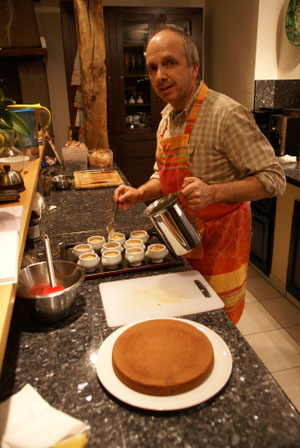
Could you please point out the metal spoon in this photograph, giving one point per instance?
(111, 225)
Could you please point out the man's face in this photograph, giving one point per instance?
(171, 77)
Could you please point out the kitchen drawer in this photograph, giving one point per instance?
(262, 241)
(267, 206)
(293, 272)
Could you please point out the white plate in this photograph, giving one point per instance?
(212, 385)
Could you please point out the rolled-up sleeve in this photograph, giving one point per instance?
(155, 174)
(251, 152)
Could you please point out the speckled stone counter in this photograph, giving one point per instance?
(292, 172)
(59, 360)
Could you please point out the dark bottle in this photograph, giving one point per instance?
(139, 63)
(132, 64)
(34, 230)
(126, 63)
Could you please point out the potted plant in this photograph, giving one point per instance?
(10, 120)
(10, 123)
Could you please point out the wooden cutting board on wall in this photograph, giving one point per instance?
(94, 179)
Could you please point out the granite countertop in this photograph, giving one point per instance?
(59, 360)
(292, 172)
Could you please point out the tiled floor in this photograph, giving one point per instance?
(271, 325)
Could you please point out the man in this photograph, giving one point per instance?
(209, 147)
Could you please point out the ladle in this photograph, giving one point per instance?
(53, 286)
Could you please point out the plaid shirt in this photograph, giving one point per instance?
(225, 144)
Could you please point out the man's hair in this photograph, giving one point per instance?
(190, 49)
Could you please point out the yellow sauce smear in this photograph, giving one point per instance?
(169, 296)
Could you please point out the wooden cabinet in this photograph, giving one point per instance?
(293, 272)
(133, 107)
(263, 219)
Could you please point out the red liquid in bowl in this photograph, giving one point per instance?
(44, 289)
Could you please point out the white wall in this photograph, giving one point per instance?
(276, 57)
(230, 47)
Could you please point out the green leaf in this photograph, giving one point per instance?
(4, 100)
(13, 121)
(8, 100)
(3, 125)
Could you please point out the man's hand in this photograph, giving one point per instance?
(126, 196)
(197, 193)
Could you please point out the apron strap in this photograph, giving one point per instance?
(194, 112)
(196, 108)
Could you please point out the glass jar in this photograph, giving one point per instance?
(9, 154)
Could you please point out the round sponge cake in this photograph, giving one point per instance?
(162, 357)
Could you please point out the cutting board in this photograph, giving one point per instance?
(96, 179)
(166, 295)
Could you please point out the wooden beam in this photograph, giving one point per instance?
(91, 48)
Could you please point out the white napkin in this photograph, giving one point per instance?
(28, 421)
(10, 225)
(287, 159)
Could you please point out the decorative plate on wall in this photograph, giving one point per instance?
(292, 24)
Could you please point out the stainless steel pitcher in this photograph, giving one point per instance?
(173, 224)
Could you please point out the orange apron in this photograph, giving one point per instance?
(223, 255)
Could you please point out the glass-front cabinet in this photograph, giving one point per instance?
(136, 82)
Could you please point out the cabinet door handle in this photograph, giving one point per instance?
(121, 76)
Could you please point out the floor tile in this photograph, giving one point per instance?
(276, 348)
(289, 381)
(261, 289)
(252, 272)
(295, 333)
(249, 297)
(256, 319)
(283, 311)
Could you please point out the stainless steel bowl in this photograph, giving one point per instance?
(62, 181)
(56, 306)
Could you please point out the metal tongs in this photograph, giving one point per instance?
(111, 225)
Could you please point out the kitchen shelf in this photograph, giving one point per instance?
(137, 104)
(32, 52)
(137, 75)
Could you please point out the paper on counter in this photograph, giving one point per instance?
(287, 159)
(28, 421)
(11, 218)
(10, 226)
(9, 249)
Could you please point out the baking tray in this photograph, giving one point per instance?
(89, 179)
(124, 267)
